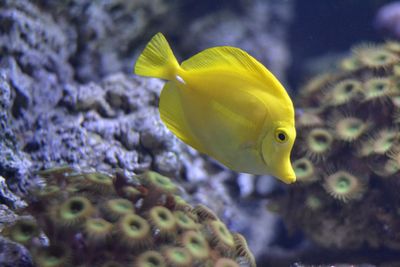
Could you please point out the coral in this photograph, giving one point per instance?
(344, 186)
(122, 221)
(347, 156)
(304, 170)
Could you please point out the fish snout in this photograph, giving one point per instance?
(286, 174)
(288, 179)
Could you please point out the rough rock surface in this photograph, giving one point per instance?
(13, 163)
(110, 125)
(13, 254)
(106, 32)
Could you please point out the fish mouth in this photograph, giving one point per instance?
(289, 180)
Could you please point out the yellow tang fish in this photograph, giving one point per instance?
(225, 104)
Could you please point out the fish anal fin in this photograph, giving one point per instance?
(172, 115)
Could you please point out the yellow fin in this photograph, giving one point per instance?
(224, 56)
(172, 115)
(232, 58)
(157, 59)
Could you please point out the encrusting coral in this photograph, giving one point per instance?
(95, 219)
(346, 156)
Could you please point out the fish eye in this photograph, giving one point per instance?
(281, 136)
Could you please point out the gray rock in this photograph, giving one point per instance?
(125, 136)
(34, 39)
(14, 164)
(107, 31)
(9, 198)
(7, 216)
(13, 254)
(169, 163)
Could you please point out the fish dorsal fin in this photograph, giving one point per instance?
(235, 59)
(225, 56)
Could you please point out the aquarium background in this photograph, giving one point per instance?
(68, 97)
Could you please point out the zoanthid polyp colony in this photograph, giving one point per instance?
(95, 219)
(347, 155)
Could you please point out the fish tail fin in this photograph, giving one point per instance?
(157, 59)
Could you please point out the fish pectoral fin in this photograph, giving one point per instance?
(172, 115)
